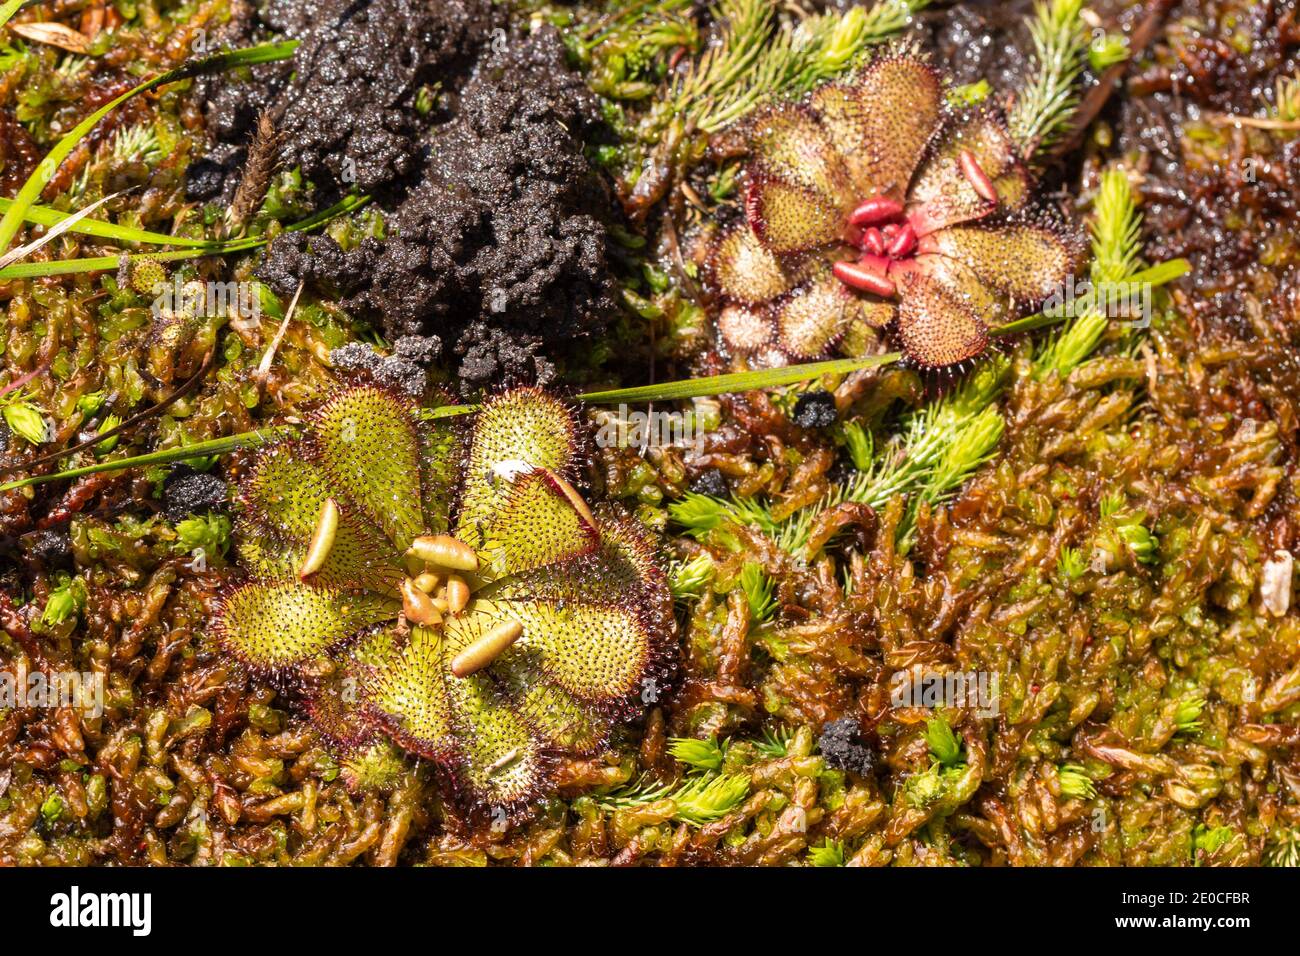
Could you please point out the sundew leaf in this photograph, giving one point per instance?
(537, 526)
(282, 498)
(366, 443)
(556, 717)
(403, 686)
(627, 560)
(499, 756)
(46, 168)
(500, 761)
(513, 433)
(270, 627)
(593, 652)
(623, 570)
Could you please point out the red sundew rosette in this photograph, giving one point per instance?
(873, 206)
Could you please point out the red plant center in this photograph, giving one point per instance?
(879, 227)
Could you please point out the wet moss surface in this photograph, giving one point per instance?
(1118, 558)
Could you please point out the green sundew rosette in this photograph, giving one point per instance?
(585, 586)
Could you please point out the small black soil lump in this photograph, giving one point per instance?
(842, 746)
(711, 482)
(188, 492)
(815, 409)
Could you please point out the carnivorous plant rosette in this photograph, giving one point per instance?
(871, 204)
(446, 588)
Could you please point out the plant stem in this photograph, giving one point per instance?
(737, 381)
(689, 388)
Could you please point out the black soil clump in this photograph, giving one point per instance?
(404, 370)
(493, 233)
(815, 409)
(188, 492)
(842, 745)
(346, 102)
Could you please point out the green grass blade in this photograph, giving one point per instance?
(688, 388)
(46, 168)
(213, 446)
(1114, 277)
(45, 216)
(19, 253)
(737, 381)
(34, 270)
(344, 206)
(712, 385)
(9, 9)
(1027, 324)
(1159, 274)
